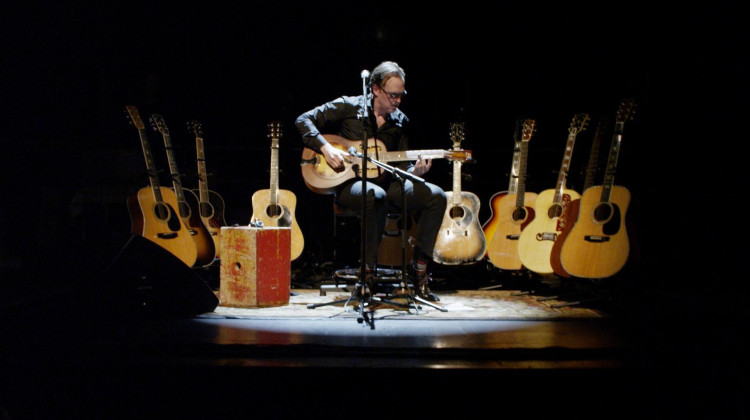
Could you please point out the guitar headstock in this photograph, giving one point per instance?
(274, 132)
(457, 135)
(135, 117)
(195, 128)
(626, 110)
(578, 124)
(527, 130)
(159, 124)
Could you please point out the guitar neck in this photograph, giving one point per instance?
(274, 186)
(202, 180)
(153, 178)
(406, 155)
(624, 113)
(609, 172)
(593, 165)
(563, 174)
(135, 118)
(515, 169)
(521, 180)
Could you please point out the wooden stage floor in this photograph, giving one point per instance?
(629, 355)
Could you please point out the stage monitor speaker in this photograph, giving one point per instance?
(146, 280)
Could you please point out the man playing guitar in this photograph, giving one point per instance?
(388, 124)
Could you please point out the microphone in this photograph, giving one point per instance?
(365, 74)
(353, 152)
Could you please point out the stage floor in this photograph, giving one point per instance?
(500, 350)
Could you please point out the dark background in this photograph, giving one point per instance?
(70, 157)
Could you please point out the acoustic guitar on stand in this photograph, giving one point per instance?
(210, 203)
(322, 179)
(536, 240)
(152, 213)
(460, 239)
(598, 244)
(187, 201)
(571, 215)
(274, 206)
(513, 211)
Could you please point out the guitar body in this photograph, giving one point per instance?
(598, 245)
(460, 239)
(161, 224)
(212, 214)
(537, 239)
(280, 214)
(502, 248)
(204, 242)
(322, 179)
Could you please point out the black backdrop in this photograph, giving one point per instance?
(70, 157)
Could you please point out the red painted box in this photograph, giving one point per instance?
(255, 266)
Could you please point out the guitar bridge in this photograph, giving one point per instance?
(596, 238)
(170, 235)
(546, 236)
(513, 237)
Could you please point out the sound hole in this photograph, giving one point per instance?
(457, 212)
(207, 209)
(519, 214)
(184, 208)
(276, 210)
(602, 212)
(554, 211)
(273, 210)
(161, 211)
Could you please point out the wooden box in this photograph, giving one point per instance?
(255, 266)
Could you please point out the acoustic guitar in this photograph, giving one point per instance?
(152, 213)
(322, 179)
(536, 240)
(598, 244)
(187, 201)
(460, 239)
(210, 203)
(571, 215)
(274, 206)
(514, 210)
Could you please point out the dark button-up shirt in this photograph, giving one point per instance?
(341, 117)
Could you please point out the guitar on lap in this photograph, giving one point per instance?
(320, 178)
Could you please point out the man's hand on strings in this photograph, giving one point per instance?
(421, 166)
(335, 157)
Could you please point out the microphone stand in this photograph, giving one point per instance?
(365, 288)
(401, 175)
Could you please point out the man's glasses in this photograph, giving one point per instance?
(393, 95)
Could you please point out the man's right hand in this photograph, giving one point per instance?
(334, 157)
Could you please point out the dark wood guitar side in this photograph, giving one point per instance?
(460, 239)
(187, 201)
(274, 206)
(151, 209)
(598, 245)
(210, 203)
